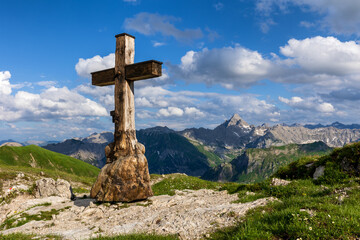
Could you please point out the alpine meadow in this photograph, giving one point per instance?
(220, 119)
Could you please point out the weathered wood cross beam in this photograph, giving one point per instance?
(123, 76)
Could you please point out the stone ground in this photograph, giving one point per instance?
(189, 214)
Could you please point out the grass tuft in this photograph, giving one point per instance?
(174, 182)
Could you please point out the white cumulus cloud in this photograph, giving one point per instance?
(311, 104)
(326, 55)
(171, 112)
(51, 103)
(5, 87)
(194, 112)
(85, 67)
(322, 61)
(231, 67)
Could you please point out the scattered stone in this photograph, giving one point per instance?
(47, 187)
(319, 171)
(341, 198)
(42, 173)
(250, 193)
(309, 211)
(309, 165)
(16, 188)
(20, 175)
(279, 182)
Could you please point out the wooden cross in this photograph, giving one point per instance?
(123, 76)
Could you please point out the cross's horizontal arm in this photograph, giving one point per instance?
(133, 72)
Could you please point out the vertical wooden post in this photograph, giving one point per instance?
(124, 95)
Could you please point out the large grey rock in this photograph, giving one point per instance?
(319, 171)
(47, 187)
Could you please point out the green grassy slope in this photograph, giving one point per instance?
(339, 165)
(255, 165)
(212, 158)
(326, 208)
(34, 159)
(267, 161)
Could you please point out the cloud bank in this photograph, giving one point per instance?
(340, 17)
(322, 61)
(51, 103)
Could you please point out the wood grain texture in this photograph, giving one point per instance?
(143, 70)
(124, 90)
(133, 72)
(104, 77)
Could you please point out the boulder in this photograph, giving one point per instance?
(319, 171)
(47, 187)
(124, 179)
(279, 182)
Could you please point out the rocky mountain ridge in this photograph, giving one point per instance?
(194, 151)
(236, 133)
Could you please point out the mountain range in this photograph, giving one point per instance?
(235, 133)
(335, 125)
(202, 152)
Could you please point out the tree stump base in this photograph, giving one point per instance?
(124, 179)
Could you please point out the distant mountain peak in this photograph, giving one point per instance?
(158, 129)
(236, 117)
(236, 120)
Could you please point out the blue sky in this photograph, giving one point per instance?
(269, 61)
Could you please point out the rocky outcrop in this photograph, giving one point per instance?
(11, 144)
(47, 187)
(279, 182)
(319, 171)
(124, 178)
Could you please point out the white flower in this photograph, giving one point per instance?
(310, 228)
